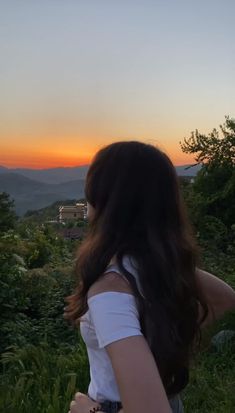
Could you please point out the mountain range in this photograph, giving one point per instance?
(51, 175)
(33, 189)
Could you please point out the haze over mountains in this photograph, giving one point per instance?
(51, 175)
(38, 188)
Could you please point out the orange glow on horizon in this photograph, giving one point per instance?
(56, 162)
(44, 158)
(69, 152)
(44, 164)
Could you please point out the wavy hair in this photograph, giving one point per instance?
(138, 211)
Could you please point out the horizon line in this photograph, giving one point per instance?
(71, 167)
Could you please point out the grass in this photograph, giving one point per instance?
(40, 379)
(212, 382)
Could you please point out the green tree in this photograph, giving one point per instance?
(214, 185)
(8, 216)
(213, 150)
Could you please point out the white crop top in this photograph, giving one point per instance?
(111, 316)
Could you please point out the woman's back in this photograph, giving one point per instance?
(137, 211)
(112, 316)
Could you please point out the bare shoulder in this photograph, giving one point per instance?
(110, 282)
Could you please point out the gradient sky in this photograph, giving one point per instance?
(78, 74)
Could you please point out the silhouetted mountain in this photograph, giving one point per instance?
(63, 174)
(53, 175)
(3, 169)
(30, 194)
(33, 191)
(187, 170)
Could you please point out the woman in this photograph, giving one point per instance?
(140, 299)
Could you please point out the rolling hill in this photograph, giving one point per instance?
(33, 189)
(30, 194)
(51, 175)
(64, 174)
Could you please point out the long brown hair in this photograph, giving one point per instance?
(138, 211)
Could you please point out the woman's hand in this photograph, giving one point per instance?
(82, 404)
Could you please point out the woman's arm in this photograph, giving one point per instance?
(220, 296)
(137, 376)
(139, 383)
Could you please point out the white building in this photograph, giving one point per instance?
(72, 212)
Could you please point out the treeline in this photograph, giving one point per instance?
(210, 199)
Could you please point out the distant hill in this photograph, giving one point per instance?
(60, 175)
(32, 195)
(187, 170)
(33, 189)
(49, 212)
(52, 175)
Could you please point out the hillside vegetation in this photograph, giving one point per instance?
(43, 359)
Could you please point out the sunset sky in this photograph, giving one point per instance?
(76, 75)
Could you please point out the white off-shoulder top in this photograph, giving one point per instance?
(111, 316)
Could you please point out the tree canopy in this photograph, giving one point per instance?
(8, 216)
(214, 186)
(213, 149)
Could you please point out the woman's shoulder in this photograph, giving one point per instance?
(110, 282)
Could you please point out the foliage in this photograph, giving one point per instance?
(7, 215)
(32, 299)
(213, 150)
(211, 386)
(211, 198)
(42, 380)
